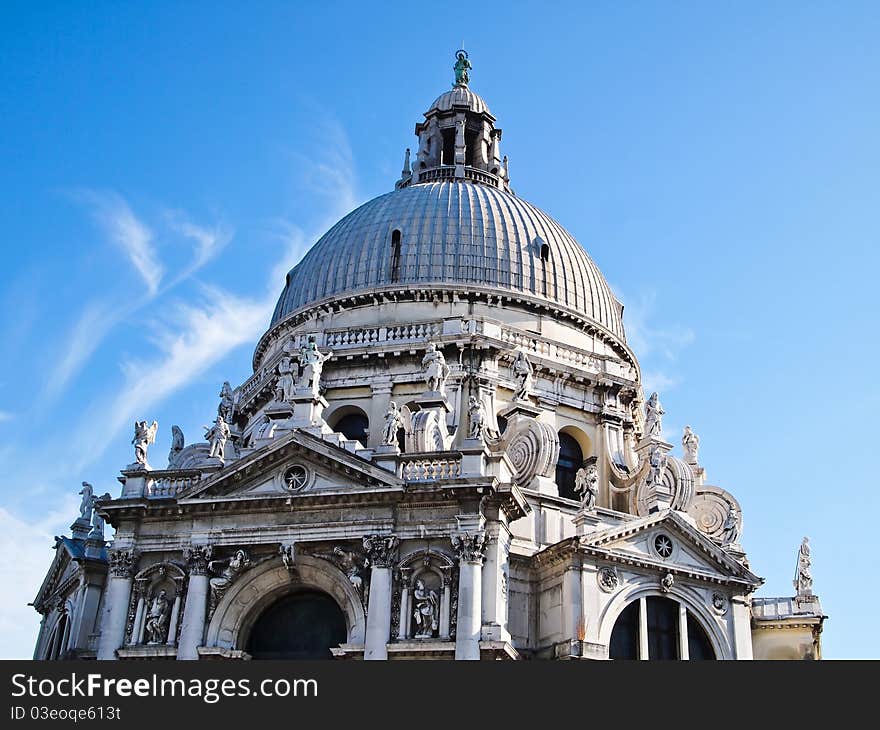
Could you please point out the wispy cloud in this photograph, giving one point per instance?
(198, 335)
(6, 416)
(656, 346)
(131, 235)
(208, 241)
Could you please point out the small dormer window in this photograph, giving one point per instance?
(545, 252)
(395, 255)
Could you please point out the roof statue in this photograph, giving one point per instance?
(461, 68)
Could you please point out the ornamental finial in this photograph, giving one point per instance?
(461, 68)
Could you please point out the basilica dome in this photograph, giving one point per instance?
(455, 234)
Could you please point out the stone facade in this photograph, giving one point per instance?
(443, 452)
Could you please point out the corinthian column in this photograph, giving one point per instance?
(382, 553)
(471, 548)
(122, 564)
(192, 630)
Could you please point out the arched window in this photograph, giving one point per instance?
(570, 460)
(395, 255)
(354, 425)
(672, 632)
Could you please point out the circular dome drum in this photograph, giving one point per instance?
(451, 234)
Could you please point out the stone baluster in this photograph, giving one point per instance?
(470, 548)
(193, 628)
(122, 564)
(382, 553)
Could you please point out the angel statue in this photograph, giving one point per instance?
(586, 484)
(285, 384)
(476, 418)
(311, 362)
(434, 369)
(144, 435)
(393, 423)
(88, 501)
(226, 572)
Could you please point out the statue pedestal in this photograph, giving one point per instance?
(387, 456)
(473, 461)
(585, 521)
(307, 410)
(134, 483)
(431, 400)
(79, 530)
(521, 409)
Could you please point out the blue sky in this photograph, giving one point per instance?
(162, 165)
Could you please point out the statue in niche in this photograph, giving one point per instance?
(730, 528)
(586, 484)
(393, 423)
(227, 403)
(227, 571)
(476, 418)
(217, 436)
(87, 502)
(461, 68)
(156, 626)
(144, 435)
(285, 385)
(426, 610)
(654, 416)
(523, 374)
(435, 369)
(311, 363)
(690, 444)
(803, 576)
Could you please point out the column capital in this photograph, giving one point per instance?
(381, 550)
(197, 558)
(470, 546)
(123, 562)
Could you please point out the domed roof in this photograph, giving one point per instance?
(459, 95)
(452, 233)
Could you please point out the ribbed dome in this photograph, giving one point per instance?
(459, 96)
(454, 233)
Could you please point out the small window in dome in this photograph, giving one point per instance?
(395, 255)
(545, 251)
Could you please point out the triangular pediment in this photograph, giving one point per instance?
(296, 464)
(689, 550)
(62, 570)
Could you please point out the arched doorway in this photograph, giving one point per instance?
(302, 625)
